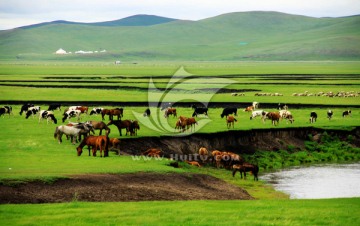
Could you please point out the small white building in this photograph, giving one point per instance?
(60, 51)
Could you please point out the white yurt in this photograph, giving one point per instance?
(60, 51)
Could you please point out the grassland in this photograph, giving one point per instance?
(31, 152)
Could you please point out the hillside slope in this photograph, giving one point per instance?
(233, 36)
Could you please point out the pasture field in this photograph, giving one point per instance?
(256, 212)
(30, 151)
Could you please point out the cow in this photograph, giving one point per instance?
(83, 109)
(313, 117)
(70, 114)
(96, 111)
(25, 107)
(255, 114)
(329, 114)
(273, 116)
(32, 111)
(249, 109)
(6, 110)
(147, 112)
(346, 113)
(229, 111)
(48, 115)
(282, 107)
(199, 111)
(53, 107)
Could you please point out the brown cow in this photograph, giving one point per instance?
(83, 109)
(170, 111)
(190, 122)
(274, 117)
(249, 109)
(230, 120)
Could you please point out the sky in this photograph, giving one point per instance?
(16, 13)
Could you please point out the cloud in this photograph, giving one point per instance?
(20, 12)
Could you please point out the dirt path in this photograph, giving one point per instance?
(125, 187)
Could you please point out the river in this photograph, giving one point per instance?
(317, 182)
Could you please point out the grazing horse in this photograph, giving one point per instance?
(134, 127)
(152, 152)
(230, 120)
(313, 117)
(111, 112)
(121, 124)
(115, 144)
(97, 143)
(246, 167)
(73, 131)
(228, 111)
(100, 126)
(170, 111)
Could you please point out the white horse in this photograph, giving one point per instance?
(73, 131)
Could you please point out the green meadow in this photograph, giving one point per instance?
(30, 152)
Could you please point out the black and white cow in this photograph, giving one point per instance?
(313, 117)
(329, 114)
(6, 110)
(228, 111)
(48, 115)
(199, 111)
(346, 113)
(96, 111)
(70, 114)
(25, 107)
(32, 111)
(147, 112)
(53, 107)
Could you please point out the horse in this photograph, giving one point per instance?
(230, 120)
(170, 111)
(72, 131)
(246, 167)
(97, 143)
(116, 111)
(152, 152)
(121, 124)
(115, 144)
(100, 126)
(181, 123)
(134, 127)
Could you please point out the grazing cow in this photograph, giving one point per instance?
(2, 111)
(72, 108)
(121, 124)
(249, 109)
(115, 144)
(313, 117)
(32, 111)
(246, 167)
(289, 118)
(25, 107)
(48, 115)
(346, 113)
(152, 152)
(230, 120)
(274, 117)
(190, 122)
(147, 112)
(7, 110)
(228, 111)
(255, 114)
(255, 105)
(199, 111)
(329, 114)
(170, 111)
(96, 111)
(100, 125)
(70, 114)
(53, 107)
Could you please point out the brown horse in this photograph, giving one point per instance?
(134, 127)
(121, 124)
(115, 144)
(96, 143)
(246, 167)
(230, 121)
(100, 126)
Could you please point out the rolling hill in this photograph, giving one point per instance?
(233, 36)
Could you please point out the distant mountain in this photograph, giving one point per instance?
(232, 36)
(136, 20)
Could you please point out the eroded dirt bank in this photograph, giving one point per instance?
(236, 141)
(124, 187)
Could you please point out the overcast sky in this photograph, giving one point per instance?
(15, 13)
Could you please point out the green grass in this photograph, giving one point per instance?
(260, 212)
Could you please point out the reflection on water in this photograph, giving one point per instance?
(320, 181)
